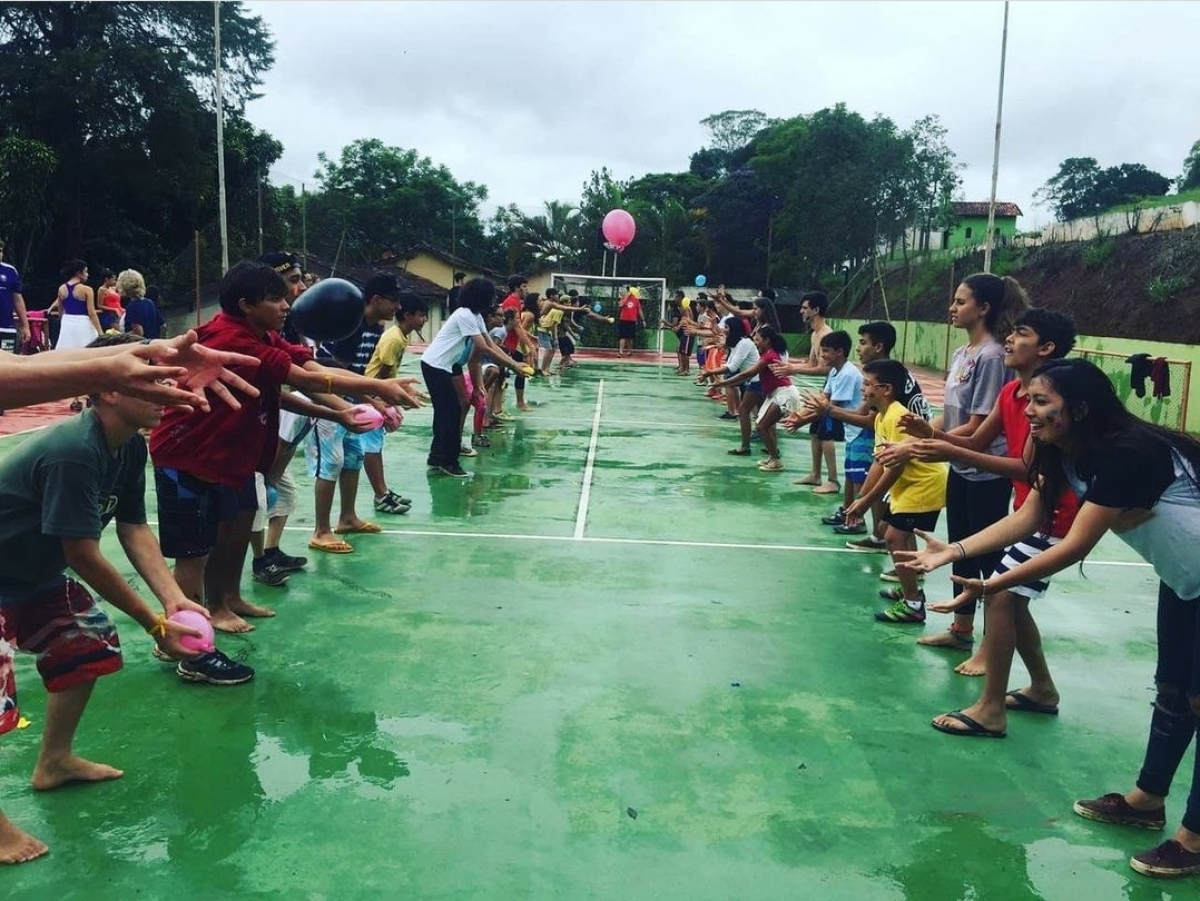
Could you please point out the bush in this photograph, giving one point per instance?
(1099, 251)
(1163, 288)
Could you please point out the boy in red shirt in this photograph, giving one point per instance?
(204, 465)
(629, 318)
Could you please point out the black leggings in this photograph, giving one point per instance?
(519, 382)
(971, 507)
(447, 416)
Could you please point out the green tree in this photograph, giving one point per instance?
(120, 94)
(1191, 170)
(1081, 188)
(28, 167)
(374, 196)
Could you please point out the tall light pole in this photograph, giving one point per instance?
(987, 248)
(220, 139)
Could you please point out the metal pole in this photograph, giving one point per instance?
(303, 229)
(260, 228)
(987, 248)
(196, 241)
(220, 138)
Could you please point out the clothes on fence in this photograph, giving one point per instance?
(1160, 377)
(1139, 371)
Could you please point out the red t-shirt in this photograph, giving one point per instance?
(226, 445)
(769, 380)
(1016, 433)
(511, 339)
(631, 309)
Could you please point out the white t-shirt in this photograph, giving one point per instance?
(452, 344)
(743, 356)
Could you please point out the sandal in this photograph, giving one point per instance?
(826, 489)
(366, 528)
(739, 452)
(331, 547)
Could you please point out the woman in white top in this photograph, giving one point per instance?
(461, 341)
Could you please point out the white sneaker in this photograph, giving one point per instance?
(466, 451)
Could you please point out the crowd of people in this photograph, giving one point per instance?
(1022, 427)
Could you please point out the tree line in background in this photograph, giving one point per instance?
(108, 145)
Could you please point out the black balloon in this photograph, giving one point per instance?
(328, 311)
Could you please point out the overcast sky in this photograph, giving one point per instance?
(528, 98)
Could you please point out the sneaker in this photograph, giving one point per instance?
(900, 612)
(286, 562)
(868, 545)
(774, 464)
(454, 470)
(215, 669)
(836, 519)
(754, 436)
(727, 415)
(856, 529)
(1170, 860)
(1113, 808)
(481, 441)
(465, 451)
(391, 503)
(162, 656)
(269, 573)
(889, 576)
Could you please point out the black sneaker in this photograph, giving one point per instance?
(268, 572)
(392, 503)
(215, 669)
(1170, 860)
(286, 562)
(453, 469)
(857, 529)
(838, 518)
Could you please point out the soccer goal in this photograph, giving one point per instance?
(602, 294)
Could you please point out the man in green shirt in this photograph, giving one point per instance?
(58, 491)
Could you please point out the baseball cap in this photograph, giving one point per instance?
(383, 284)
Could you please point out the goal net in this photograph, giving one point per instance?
(602, 295)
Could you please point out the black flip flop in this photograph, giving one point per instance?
(975, 729)
(1026, 704)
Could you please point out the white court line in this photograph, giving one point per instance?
(661, 542)
(586, 494)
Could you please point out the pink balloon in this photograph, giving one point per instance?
(619, 228)
(368, 415)
(193, 620)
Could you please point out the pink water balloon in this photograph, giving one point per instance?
(619, 228)
(368, 415)
(193, 620)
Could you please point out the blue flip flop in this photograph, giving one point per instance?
(975, 729)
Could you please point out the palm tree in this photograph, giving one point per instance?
(554, 237)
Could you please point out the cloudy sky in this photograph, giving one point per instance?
(528, 98)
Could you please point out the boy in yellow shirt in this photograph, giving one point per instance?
(918, 488)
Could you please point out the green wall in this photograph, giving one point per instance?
(930, 344)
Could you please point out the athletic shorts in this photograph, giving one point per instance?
(626, 329)
(293, 427)
(330, 449)
(860, 453)
(686, 342)
(74, 640)
(566, 346)
(910, 522)
(372, 441)
(754, 386)
(190, 509)
(1017, 554)
(830, 429)
(786, 398)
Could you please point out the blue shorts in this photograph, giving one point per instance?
(545, 340)
(329, 449)
(860, 453)
(190, 509)
(372, 441)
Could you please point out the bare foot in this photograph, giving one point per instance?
(947, 639)
(48, 775)
(16, 845)
(525, 408)
(808, 480)
(224, 620)
(972, 666)
(242, 607)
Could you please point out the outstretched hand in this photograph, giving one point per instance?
(917, 426)
(972, 591)
(203, 367)
(936, 553)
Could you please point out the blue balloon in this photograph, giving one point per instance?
(597, 306)
(700, 281)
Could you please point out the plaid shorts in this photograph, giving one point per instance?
(74, 641)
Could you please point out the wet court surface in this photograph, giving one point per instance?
(654, 676)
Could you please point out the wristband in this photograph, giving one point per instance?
(962, 551)
(160, 626)
(328, 383)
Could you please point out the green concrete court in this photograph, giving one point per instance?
(654, 676)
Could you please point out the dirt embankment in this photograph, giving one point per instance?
(1131, 286)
